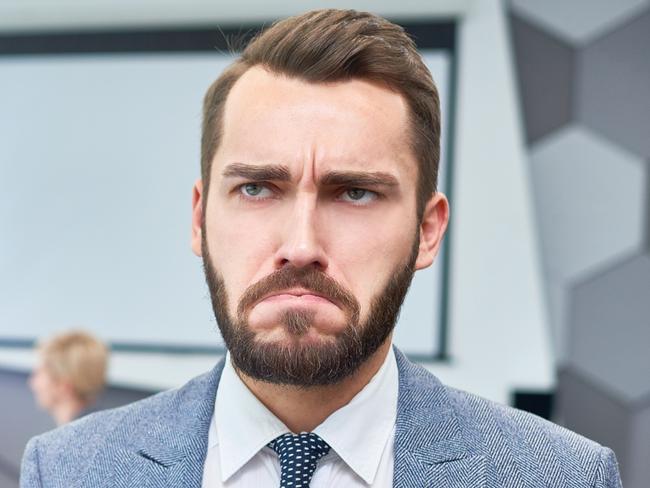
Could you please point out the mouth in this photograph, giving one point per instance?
(297, 295)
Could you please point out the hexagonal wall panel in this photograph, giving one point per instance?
(589, 200)
(613, 86)
(582, 404)
(610, 334)
(545, 69)
(578, 21)
(638, 472)
(585, 407)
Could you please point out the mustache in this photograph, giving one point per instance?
(308, 278)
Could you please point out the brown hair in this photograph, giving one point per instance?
(78, 358)
(337, 45)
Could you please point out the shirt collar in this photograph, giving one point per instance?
(368, 421)
(244, 425)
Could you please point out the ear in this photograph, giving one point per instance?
(197, 217)
(432, 229)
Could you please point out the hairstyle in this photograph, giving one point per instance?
(337, 45)
(78, 358)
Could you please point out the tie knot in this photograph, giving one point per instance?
(298, 457)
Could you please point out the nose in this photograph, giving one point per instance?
(301, 245)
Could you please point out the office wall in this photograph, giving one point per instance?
(584, 82)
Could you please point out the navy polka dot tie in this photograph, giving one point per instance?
(298, 457)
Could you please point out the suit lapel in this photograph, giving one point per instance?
(180, 444)
(430, 447)
(170, 446)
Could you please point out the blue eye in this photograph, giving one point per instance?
(356, 193)
(358, 196)
(252, 189)
(255, 191)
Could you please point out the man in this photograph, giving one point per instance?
(70, 375)
(316, 204)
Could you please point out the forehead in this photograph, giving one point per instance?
(277, 119)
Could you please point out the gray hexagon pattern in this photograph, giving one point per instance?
(603, 417)
(545, 73)
(578, 21)
(613, 86)
(638, 473)
(589, 197)
(583, 404)
(610, 334)
(589, 147)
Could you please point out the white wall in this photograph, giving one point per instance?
(64, 14)
(498, 324)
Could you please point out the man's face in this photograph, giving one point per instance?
(309, 236)
(48, 391)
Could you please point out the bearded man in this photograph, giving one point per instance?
(317, 202)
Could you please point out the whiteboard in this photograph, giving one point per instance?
(98, 155)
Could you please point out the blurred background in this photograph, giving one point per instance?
(540, 299)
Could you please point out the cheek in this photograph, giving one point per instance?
(375, 239)
(35, 385)
(38, 380)
(368, 253)
(241, 252)
(43, 387)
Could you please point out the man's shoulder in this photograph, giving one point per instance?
(511, 443)
(475, 415)
(65, 452)
(98, 425)
(519, 443)
(480, 416)
(71, 445)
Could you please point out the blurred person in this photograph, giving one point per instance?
(69, 375)
(316, 205)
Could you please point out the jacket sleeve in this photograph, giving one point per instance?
(30, 476)
(607, 475)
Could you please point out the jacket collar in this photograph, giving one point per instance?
(430, 446)
(172, 452)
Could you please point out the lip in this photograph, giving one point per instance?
(307, 295)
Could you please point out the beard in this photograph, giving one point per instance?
(296, 362)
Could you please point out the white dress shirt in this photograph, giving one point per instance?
(360, 435)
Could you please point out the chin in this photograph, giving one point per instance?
(281, 335)
(296, 322)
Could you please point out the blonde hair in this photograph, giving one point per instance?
(79, 359)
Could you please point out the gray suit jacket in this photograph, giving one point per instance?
(443, 438)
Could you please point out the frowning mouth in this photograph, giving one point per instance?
(298, 295)
(298, 287)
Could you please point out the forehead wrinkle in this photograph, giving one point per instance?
(312, 158)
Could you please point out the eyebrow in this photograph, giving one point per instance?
(258, 173)
(332, 178)
(358, 178)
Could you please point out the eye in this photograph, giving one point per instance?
(358, 196)
(255, 191)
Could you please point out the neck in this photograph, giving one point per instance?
(303, 409)
(68, 410)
